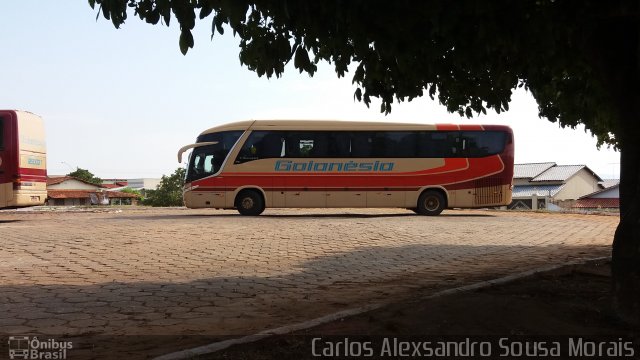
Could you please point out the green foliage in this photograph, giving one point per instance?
(168, 192)
(468, 54)
(131, 191)
(85, 175)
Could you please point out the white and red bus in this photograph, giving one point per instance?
(251, 165)
(23, 159)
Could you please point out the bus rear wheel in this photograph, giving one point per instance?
(431, 203)
(250, 203)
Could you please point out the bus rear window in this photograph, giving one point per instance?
(482, 143)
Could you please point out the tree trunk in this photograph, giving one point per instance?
(626, 244)
(615, 54)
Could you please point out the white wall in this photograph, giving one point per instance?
(580, 184)
(145, 183)
(611, 193)
(72, 184)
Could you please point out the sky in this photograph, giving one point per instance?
(121, 102)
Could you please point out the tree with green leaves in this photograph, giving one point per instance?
(168, 192)
(129, 190)
(579, 59)
(85, 175)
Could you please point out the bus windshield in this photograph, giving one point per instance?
(207, 160)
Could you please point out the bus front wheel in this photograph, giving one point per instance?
(249, 202)
(431, 203)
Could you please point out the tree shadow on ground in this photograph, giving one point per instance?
(142, 319)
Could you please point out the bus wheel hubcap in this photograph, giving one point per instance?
(431, 204)
(247, 203)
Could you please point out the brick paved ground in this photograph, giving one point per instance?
(176, 271)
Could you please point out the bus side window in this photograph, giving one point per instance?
(431, 144)
(249, 150)
(405, 144)
(339, 144)
(380, 146)
(439, 144)
(361, 144)
(306, 147)
(292, 145)
(307, 144)
(456, 145)
(270, 146)
(321, 145)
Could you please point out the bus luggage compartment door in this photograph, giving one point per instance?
(386, 197)
(304, 192)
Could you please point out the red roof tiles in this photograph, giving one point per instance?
(84, 194)
(597, 203)
(57, 180)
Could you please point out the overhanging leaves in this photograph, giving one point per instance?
(468, 54)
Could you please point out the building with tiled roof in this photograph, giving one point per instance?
(562, 173)
(607, 183)
(69, 182)
(70, 191)
(530, 190)
(603, 199)
(141, 185)
(113, 186)
(531, 170)
(597, 204)
(88, 197)
(558, 184)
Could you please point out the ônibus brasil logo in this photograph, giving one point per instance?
(26, 347)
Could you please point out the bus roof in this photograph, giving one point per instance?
(342, 125)
(18, 112)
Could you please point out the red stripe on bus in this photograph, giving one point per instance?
(306, 188)
(447, 127)
(30, 171)
(471, 127)
(29, 178)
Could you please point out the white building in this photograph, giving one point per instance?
(69, 191)
(607, 198)
(548, 182)
(143, 183)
